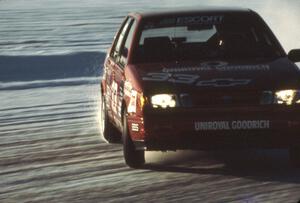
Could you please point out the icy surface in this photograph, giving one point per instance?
(51, 151)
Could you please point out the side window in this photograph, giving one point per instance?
(117, 46)
(125, 49)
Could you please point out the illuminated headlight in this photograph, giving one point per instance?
(163, 100)
(287, 97)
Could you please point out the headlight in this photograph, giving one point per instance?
(287, 97)
(163, 100)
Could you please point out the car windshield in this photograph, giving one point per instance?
(205, 37)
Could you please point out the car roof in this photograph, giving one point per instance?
(187, 11)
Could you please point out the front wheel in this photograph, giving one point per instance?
(294, 154)
(134, 158)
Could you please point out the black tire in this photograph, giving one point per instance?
(133, 158)
(107, 129)
(294, 154)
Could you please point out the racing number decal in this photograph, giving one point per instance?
(176, 78)
(222, 83)
(184, 78)
(194, 79)
(157, 77)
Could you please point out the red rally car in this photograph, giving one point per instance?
(199, 79)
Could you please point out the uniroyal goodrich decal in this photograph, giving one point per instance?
(232, 125)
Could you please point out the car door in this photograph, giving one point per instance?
(118, 61)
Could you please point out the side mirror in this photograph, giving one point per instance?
(294, 55)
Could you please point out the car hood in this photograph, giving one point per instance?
(218, 75)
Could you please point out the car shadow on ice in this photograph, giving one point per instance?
(263, 165)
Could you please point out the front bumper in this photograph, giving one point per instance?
(178, 128)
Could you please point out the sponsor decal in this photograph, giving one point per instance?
(232, 125)
(132, 94)
(165, 22)
(127, 88)
(135, 127)
(114, 89)
(186, 69)
(185, 21)
(214, 64)
(244, 68)
(132, 103)
(200, 20)
(121, 96)
(219, 66)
